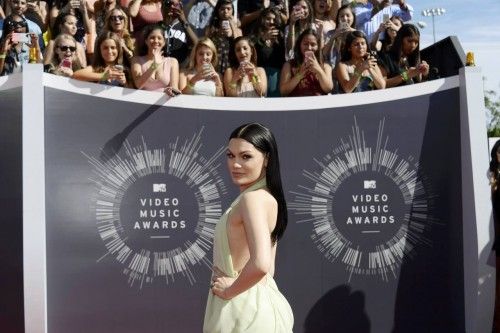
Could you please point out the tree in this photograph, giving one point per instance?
(492, 104)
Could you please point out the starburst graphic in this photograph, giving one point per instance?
(116, 182)
(369, 208)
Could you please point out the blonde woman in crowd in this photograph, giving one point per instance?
(200, 78)
(64, 61)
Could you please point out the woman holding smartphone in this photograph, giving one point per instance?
(243, 295)
(107, 66)
(15, 45)
(200, 78)
(244, 78)
(301, 18)
(65, 61)
(306, 74)
(223, 30)
(358, 70)
(402, 64)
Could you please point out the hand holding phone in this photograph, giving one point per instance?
(21, 37)
(66, 62)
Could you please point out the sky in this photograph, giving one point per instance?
(475, 23)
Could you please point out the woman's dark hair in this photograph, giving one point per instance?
(298, 56)
(215, 20)
(262, 139)
(310, 18)
(98, 62)
(494, 165)
(8, 23)
(146, 31)
(348, 6)
(396, 51)
(233, 60)
(258, 28)
(387, 42)
(60, 20)
(349, 39)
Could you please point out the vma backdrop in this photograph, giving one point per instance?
(11, 234)
(134, 191)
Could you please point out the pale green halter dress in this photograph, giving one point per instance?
(260, 309)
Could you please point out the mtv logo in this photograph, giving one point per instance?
(159, 187)
(370, 184)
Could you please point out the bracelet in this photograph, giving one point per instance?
(153, 66)
(233, 85)
(186, 25)
(255, 79)
(300, 76)
(190, 85)
(104, 76)
(404, 76)
(3, 55)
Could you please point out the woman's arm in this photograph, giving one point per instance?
(347, 83)
(255, 212)
(257, 75)
(133, 8)
(378, 78)
(88, 74)
(323, 74)
(80, 53)
(174, 73)
(287, 82)
(138, 76)
(49, 53)
(231, 81)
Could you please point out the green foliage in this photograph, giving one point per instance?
(492, 104)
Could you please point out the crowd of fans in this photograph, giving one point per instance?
(239, 48)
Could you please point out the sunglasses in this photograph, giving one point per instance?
(20, 24)
(65, 48)
(117, 17)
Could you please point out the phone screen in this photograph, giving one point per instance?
(21, 37)
(66, 63)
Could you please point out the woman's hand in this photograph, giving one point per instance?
(249, 70)
(172, 92)
(7, 44)
(158, 56)
(65, 71)
(220, 284)
(423, 68)
(33, 40)
(208, 72)
(312, 65)
(116, 75)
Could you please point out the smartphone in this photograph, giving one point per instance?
(21, 37)
(66, 63)
(344, 26)
(309, 54)
(119, 67)
(176, 92)
(224, 24)
(298, 10)
(385, 18)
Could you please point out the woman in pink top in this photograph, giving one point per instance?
(150, 69)
(144, 12)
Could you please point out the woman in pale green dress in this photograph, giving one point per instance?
(244, 296)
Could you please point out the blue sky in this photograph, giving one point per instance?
(477, 25)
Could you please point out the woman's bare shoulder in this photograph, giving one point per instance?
(261, 197)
